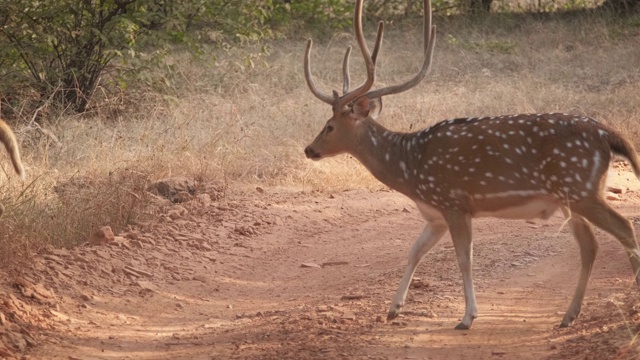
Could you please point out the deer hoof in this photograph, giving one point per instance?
(567, 321)
(393, 312)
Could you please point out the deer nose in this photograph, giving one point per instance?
(311, 153)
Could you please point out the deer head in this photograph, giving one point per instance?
(354, 108)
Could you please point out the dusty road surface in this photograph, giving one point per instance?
(287, 274)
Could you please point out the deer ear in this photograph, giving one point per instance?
(361, 107)
(375, 106)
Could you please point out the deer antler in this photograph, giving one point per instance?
(429, 43)
(374, 57)
(338, 102)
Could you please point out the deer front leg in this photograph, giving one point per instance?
(460, 229)
(430, 236)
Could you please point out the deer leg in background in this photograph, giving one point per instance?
(603, 216)
(460, 229)
(588, 249)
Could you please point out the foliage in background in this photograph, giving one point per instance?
(60, 49)
(61, 52)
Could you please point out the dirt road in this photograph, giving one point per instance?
(283, 274)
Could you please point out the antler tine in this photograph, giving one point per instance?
(310, 83)
(345, 71)
(429, 43)
(376, 47)
(374, 57)
(371, 69)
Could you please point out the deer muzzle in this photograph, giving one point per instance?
(311, 154)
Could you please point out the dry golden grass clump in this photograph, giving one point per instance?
(236, 124)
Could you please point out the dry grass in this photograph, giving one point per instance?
(234, 124)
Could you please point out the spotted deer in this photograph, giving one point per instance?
(11, 145)
(521, 166)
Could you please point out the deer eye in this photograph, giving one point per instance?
(329, 128)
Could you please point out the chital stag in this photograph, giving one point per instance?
(9, 140)
(513, 167)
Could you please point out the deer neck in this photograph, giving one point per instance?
(390, 156)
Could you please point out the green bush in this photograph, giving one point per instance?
(59, 52)
(60, 48)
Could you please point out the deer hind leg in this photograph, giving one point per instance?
(603, 216)
(430, 236)
(460, 228)
(583, 234)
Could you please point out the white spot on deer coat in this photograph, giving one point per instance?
(594, 170)
(403, 166)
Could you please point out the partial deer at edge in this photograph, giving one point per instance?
(11, 145)
(521, 166)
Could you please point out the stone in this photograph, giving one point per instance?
(136, 244)
(615, 190)
(148, 285)
(17, 341)
(59, 315)
(4, 352)
(310, 265)
(176, 212)
(173, 214)
(136, 271)
(131, 235)
(204, 199)
(101, 236)
(200, 278)
(40, 290)
(169, 187)
(180, 209)
(613, 197)
(182, 197)
(147, 240)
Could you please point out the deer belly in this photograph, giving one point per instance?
(516, 208)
